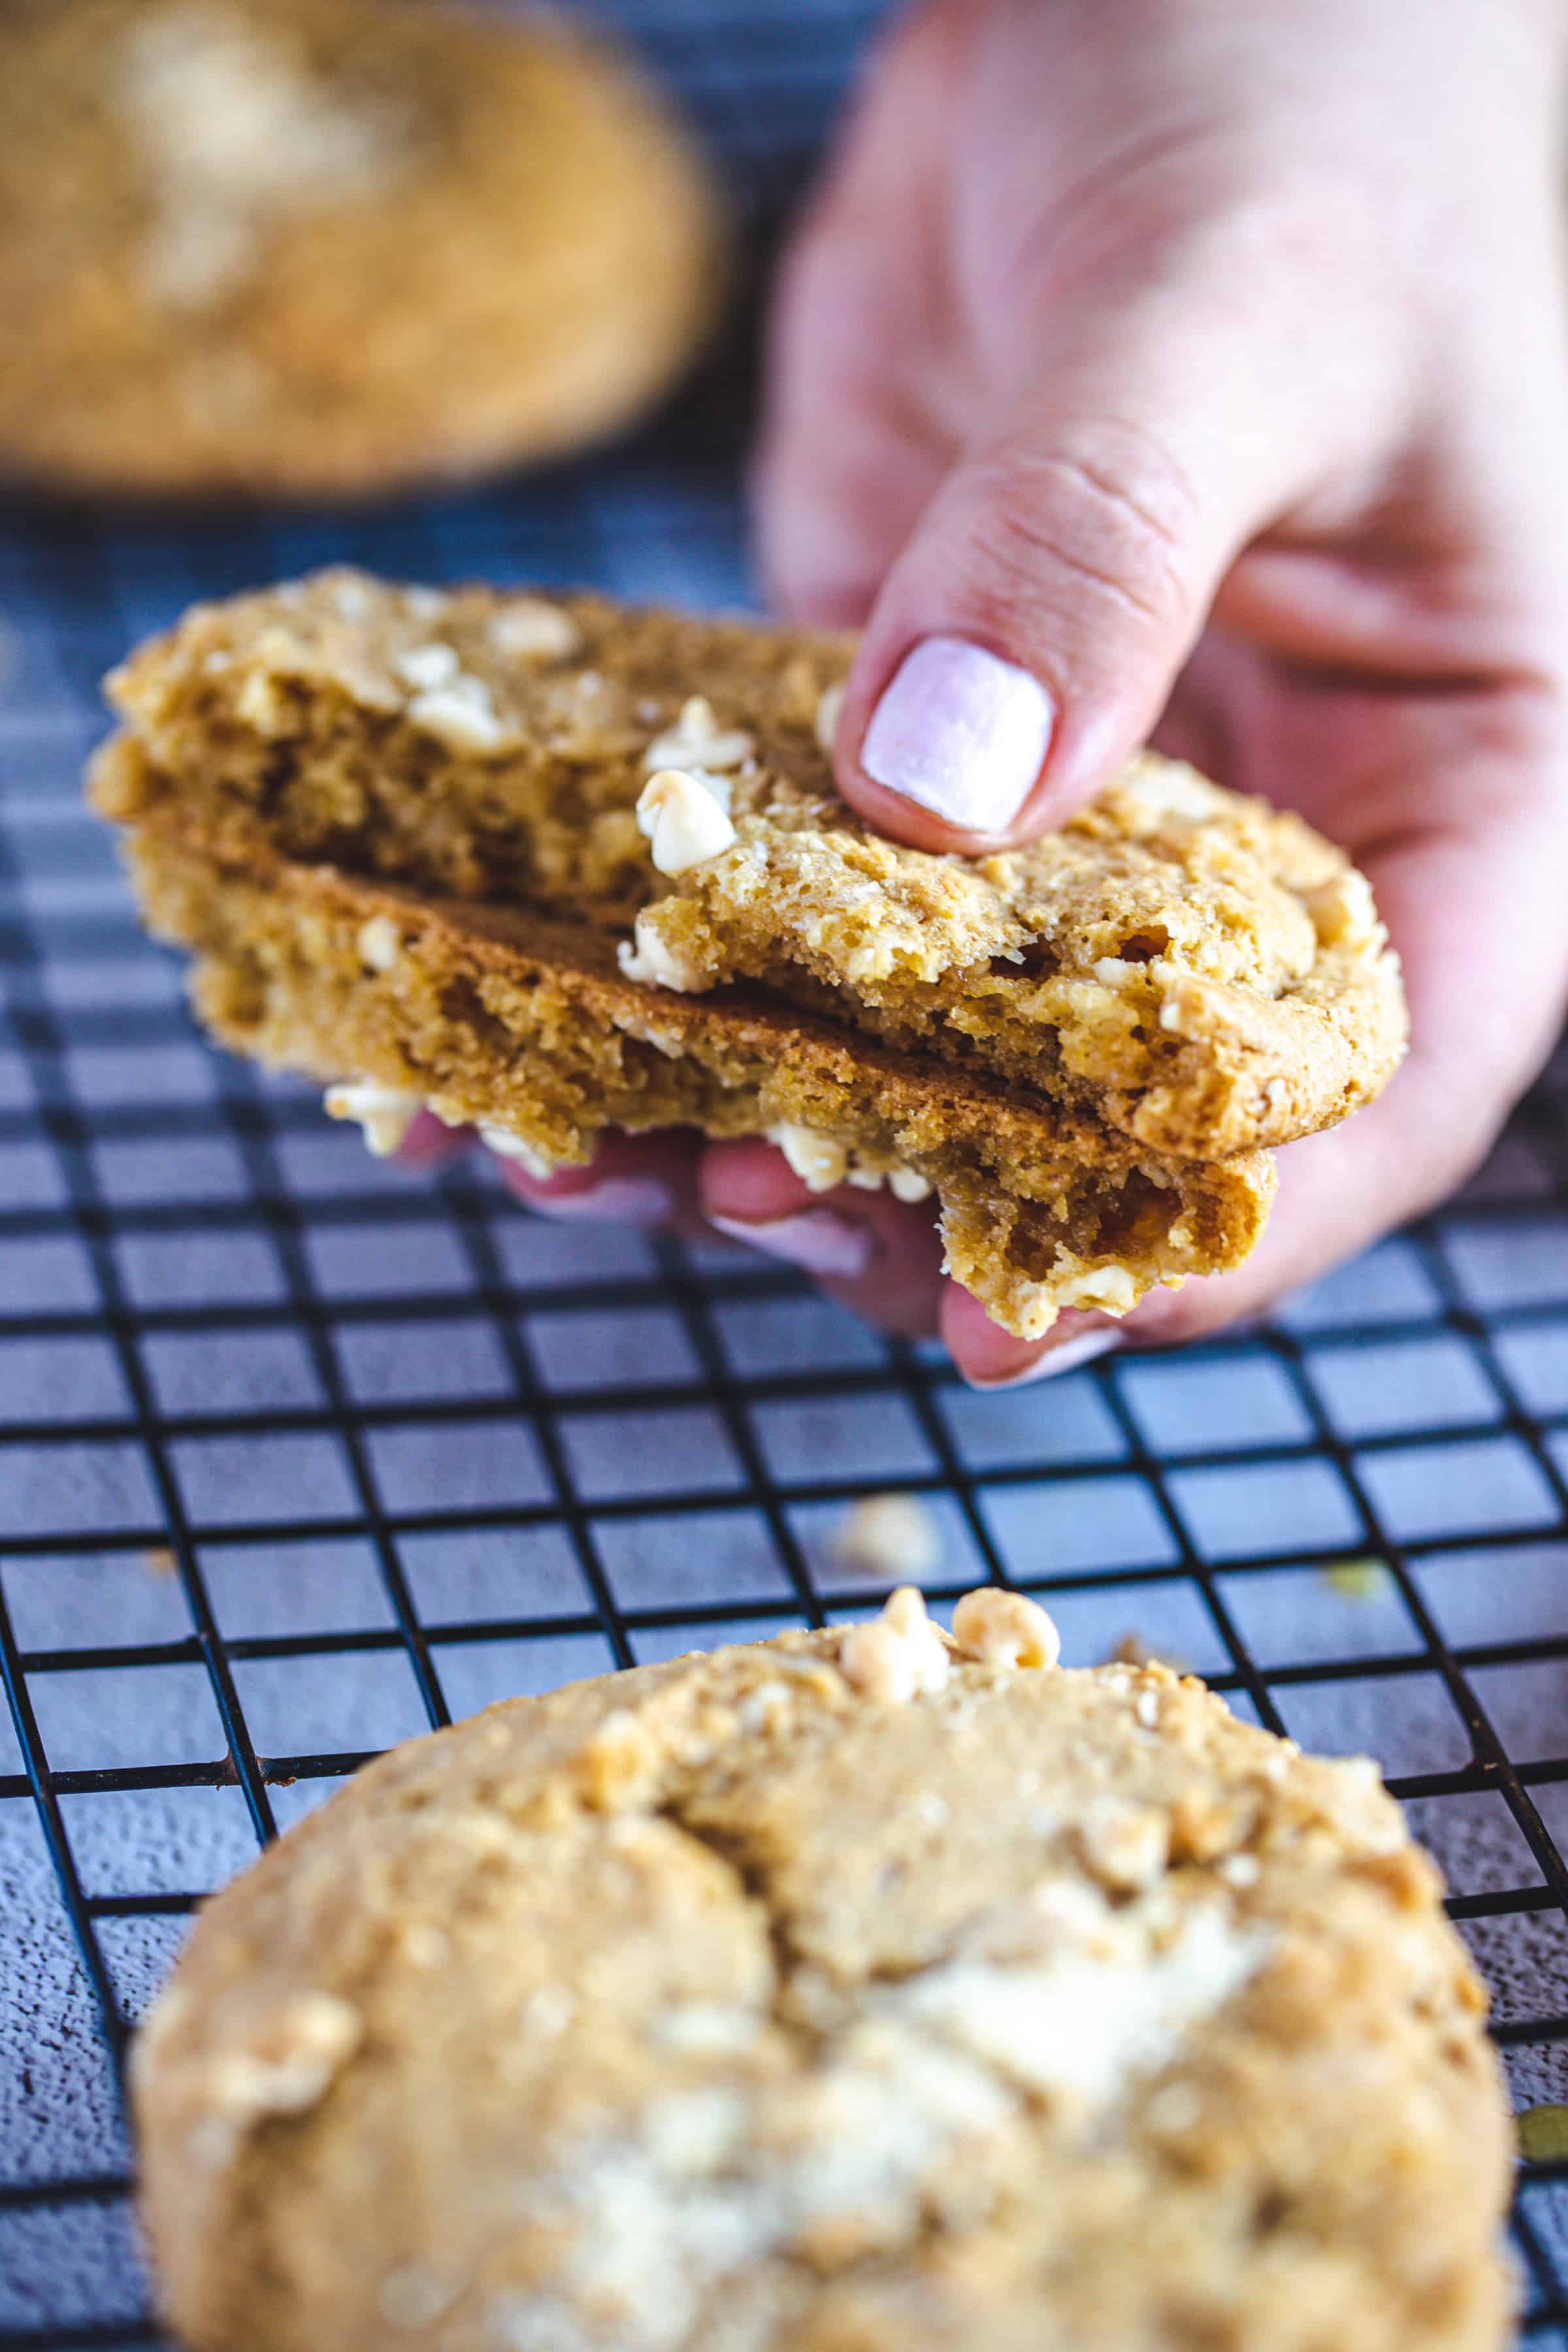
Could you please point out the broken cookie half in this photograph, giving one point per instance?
(552, 864)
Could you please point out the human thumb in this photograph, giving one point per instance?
(1029, 635)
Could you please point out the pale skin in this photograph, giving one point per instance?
(1204, 364)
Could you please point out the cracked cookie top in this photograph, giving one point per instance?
(866, 1989)
(1205, 974)
(327, 245)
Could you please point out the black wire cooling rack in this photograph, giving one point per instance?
(299, 1456)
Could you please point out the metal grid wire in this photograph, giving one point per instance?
(299, 1454)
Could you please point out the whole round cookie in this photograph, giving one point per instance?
(328, 246)
(857, 1991)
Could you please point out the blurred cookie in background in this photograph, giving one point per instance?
(330, 247)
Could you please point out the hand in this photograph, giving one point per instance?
(1169, 367)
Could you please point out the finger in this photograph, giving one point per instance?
(851, 446)
(635, 1179)
(880, 1257)
(429, 1143)
(1029, 637)
(990, 1357)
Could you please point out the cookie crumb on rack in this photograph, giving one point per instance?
(888, 1535)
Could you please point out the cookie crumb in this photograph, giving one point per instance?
(159, 1560)
(1544, 2133)
(1004, 1629)
(888, 1535)
(1357, 1580)
(829, 711)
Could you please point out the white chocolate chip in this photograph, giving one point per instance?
(904, 1183)
(379, 942)
(1109, 1287)
(1004, 1629)
(888, 1535)
(529, 627)
(909, 1184)
(513, 1146)
(816, 1159)
(428, 666)
(682, 820)
(697, 740)
(648, 958)
(382, 1114)
(460, 714)
(1241, 1870)
(899, 1654)
(829, 711)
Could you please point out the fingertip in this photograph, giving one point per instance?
(945, 748)
(990, 1356)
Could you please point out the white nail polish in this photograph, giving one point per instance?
(1068, 1358)
(962, 732)
(816, 1239)
(617, 1200)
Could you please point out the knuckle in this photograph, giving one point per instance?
(1109, 528)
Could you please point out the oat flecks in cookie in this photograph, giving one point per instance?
(761, 2006)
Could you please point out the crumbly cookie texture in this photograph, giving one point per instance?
(750, 2002)
(528, 1030)
(324, 246)
(1198, 973)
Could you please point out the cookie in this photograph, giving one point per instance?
(857, 1991)
(326, 247)
(1195, 972)
(604, 882)
(526, 1029)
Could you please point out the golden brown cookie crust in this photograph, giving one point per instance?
(499, 1018)
(724, 2003)
(323, 246)
(1200, 974)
